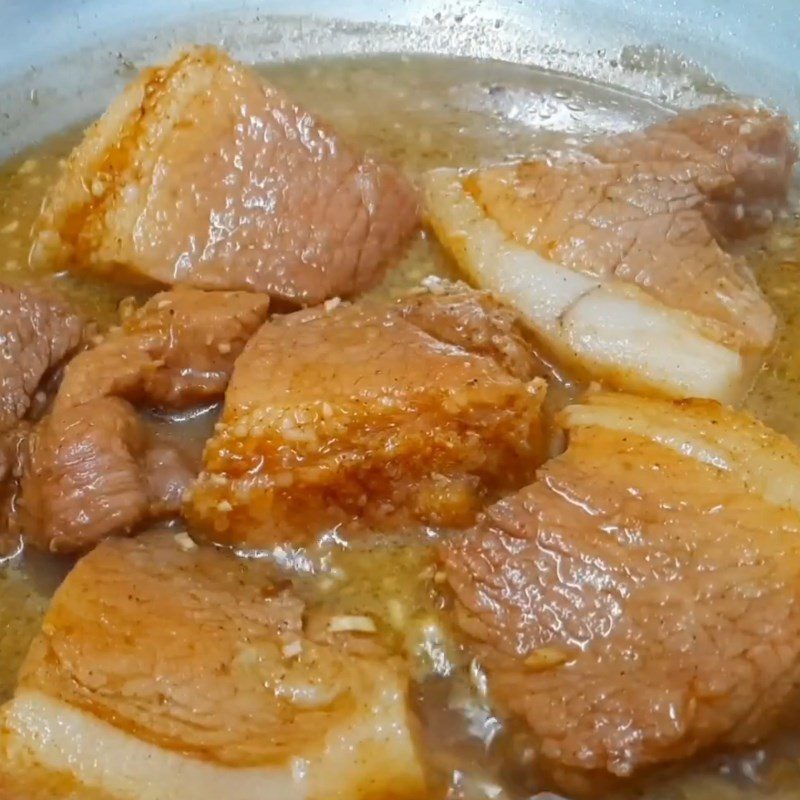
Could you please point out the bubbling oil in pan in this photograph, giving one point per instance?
(426, 112)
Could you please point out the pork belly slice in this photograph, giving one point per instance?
(739, 158)
(606, 329)
(616, 265)
(639, 603)
(165, 671)
(201, 173)
(94, 468)
(417, 412)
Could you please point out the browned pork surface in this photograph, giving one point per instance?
(190, 666)
(95, 469)
(176, 351)
(415, 411)
(739, 158)
(634, 605)
(36, 333)
(639, 223)
(201, 173)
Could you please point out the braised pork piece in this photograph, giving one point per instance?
(640, 601)
(202, 174)
(611, 242)
(389, 413)
(409, 547)
(38, 332)
(192, 674)
(94, 469)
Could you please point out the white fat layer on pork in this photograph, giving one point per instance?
(766, 462)
(371, 750)
(612, 330)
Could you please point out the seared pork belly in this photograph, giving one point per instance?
(739, 158)
(201, 173)
(615, 261)
(94, 469)
(37, 333)
(176, 351)
(634, 223)
(165, 671)
(418, 411)
(639, 602)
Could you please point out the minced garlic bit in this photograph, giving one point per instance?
(127, 307)
(345, 623)
(332, 303)
(477, 677)
(434, 284)
(546, 658)
(27, 166)
(184, 541)
(10, 227)
(397, 613)
(439, 577)
(224, 347)
(293, 649)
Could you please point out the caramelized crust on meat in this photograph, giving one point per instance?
(191, 657)
(200, 173)
(176, 351)
(418, 411)
(640, 602)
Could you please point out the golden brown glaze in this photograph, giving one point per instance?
(636, 605)
(359, 412)
(193, 652)
(200, 173)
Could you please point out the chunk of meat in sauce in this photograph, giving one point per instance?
(176, 351)
(388, 413)
(610, 253)
(190, 665)
(95, 470)
(203, 174)
(639, 223)
(638, 603)
(740, 159)
(37, 332)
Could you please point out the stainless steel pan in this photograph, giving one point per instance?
(61, 60)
